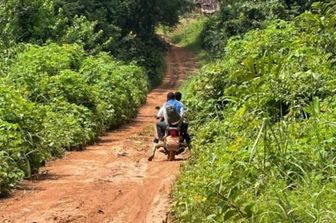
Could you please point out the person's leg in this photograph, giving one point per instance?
(156, 137)
(184, 129)
(186, 136)
(161, 129)
(154, 148)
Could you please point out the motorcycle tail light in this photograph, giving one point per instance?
(174, 133)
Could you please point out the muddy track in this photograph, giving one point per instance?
(111, 181)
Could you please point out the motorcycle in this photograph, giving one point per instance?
(173, 143)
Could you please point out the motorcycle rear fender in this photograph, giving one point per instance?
(172, 143)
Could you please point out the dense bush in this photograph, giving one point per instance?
(12, 140)
(236, 18)
(20, 125)
(55, 98)
(122, 28)
(120, 88)
(263, 118)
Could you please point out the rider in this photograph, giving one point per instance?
(170, 113)
(184, 125)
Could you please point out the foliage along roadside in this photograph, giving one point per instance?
(123, 28)
(237, 17)
(55, 98)
(70, 70)
(263, 119)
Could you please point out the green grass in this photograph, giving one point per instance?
(188, 34)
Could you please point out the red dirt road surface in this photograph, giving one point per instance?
(111, 181)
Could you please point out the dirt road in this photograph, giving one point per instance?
(111, 181)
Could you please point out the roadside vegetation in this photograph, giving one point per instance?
(70, 70)
(187, 34)
(263, 116)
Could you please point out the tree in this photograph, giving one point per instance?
(24, 20)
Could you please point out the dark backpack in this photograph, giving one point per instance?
(172, 114)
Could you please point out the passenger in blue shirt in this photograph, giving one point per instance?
(163, 123)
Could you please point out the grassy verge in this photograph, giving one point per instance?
(188, 35)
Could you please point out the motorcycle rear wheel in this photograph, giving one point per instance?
(171, 155)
